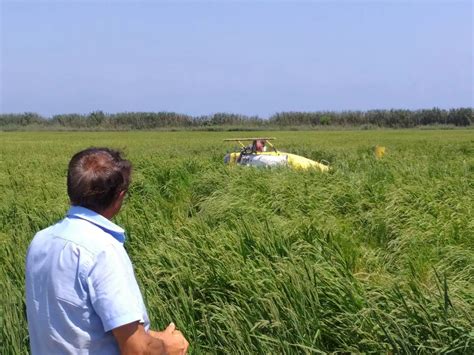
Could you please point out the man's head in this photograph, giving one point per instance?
(259, 145)
(98, 179)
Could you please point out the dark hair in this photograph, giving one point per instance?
(96, 176)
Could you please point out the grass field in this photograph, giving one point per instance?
(376, 256)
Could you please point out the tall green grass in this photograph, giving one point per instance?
(376, 256)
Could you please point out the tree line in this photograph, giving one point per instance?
(394, 118)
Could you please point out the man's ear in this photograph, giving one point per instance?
(121, 195)
(117, 204)
(115, 207)
(120, 198)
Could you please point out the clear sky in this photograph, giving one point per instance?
(248, 57)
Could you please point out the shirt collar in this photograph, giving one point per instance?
(98, 220)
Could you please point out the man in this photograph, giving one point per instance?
(81, 293)
(257, 146)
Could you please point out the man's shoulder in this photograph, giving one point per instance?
(81, 233)
(87, 235)
(43, 236)
(46, 231)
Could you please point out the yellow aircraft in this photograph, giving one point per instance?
(257, 154)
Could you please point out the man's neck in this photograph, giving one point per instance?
(108, 213)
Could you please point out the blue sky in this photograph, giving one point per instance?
(248, 57)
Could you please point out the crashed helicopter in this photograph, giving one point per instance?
(257, 154)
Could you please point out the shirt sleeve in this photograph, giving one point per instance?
(112, 289)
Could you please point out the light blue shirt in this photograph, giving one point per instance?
(80, 285)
